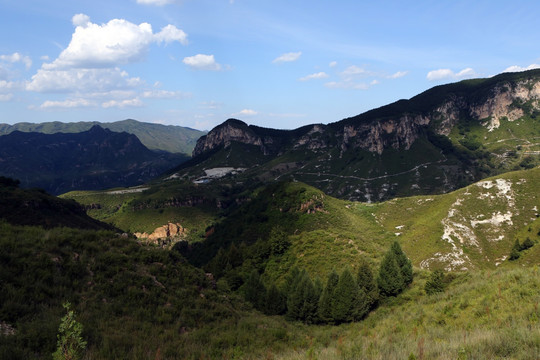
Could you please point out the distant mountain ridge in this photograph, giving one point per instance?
(94, 159)
(440, 140)
(170, 138)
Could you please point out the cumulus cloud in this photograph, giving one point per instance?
(288, 57)
(80, 20)
(246, 112)
(171, 33)
(81, 80)
(15, 58)
(516, 68)
(333, 64)
(447, 74)
(66, 104)
(116, 42)
(202, 62)
(319, 75)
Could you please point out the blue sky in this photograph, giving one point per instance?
(272, 63)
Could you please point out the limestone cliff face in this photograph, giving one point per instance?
(224, 134)
(400, 124)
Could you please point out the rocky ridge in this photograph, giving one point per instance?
(397, 125)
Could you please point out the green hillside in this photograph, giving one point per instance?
(170, 138)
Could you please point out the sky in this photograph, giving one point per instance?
(272, 63)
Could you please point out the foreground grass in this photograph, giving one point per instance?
(482, 315)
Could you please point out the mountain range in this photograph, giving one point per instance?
(169, 138)
(94, 159)
(438, 141)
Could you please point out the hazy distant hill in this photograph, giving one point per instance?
(94, 159)
(170, 138)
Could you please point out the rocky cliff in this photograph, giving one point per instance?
(398, 125)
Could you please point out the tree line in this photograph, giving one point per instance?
(343, 298)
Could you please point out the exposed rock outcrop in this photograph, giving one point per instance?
(164, 235)
(397, 125)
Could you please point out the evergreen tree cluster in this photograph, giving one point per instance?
(344, 297)
(515, 253)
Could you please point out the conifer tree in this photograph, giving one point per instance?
(514, 254)
(345, 296)
(403, 262)
(295, 296)
(275, 303)
(435, 282)
(254, 290)
(367, 283)
(308, 312)
(327, 298)
(390, 281)
(527, 244)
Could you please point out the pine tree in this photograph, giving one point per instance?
(390, 281)
(295, 295)
(308, 312)
(345, 295)
(254, 290)
(404, 263)
(327, 297)
(275, 303)
(514, 254)
(528, 243)
(366, 282)
(70, 345)
(435, 282)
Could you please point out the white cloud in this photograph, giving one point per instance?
(246, 112)
(15, 58)
(319, 75)
(107, 45)
(516, 68)
(202, 62)
(347, 84)
(164, 94)
(155, 2)
(8, 85)
(398, 74)
(80, 20)
(66, 104)
(5, 97)
(171, 33)
(447, 74)
(122, 103)
(288, 57)
(354, 70)
(333, 64)
(81, 80)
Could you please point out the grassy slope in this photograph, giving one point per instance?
(481, 315)
(134, 301)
